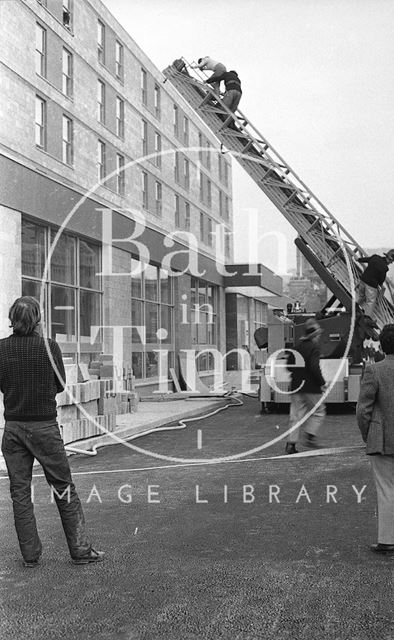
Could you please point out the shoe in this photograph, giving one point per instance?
(385, 549)
(311, 441)
(290, 448)
(92, 556)
(31, 564)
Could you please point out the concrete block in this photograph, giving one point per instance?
(83, 372)
(107, 405)
(107, 371)
(71, 373)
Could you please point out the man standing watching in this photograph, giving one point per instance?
(375, 417)
(372, 279)
(307, 382)
(30, 383)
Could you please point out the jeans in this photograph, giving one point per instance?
(300, 404)
(22, 442)
(367, 298)
(231, 99)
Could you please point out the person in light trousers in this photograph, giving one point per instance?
(375, 417)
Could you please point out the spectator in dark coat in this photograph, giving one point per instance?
(31, 374)
(375, 417)
(306, 383)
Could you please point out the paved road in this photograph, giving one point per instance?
(202, 552)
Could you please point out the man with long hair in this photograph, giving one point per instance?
(31, 374)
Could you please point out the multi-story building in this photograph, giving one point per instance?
(112, 191)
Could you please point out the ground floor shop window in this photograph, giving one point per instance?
(71, 285)
(204, 321)
(152, 314)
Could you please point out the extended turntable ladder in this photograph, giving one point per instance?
(321, 237)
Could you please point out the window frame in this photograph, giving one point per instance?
(68, 143)
(68, 73)
(101, 91)
(41, 54)
(101, 41)
(119, 60)
(41, 126)
(119, 117)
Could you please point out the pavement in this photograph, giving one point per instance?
(253, 547)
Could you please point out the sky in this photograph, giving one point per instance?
(317, 80)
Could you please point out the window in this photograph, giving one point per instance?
(158, 149)
(221, 208)
(119, 117)
(144, 189)
(144, 85)
(226, 173)
(201, 180)
(67, 140)
(186, 173)
(144, 134)
(201, 226)
(177, 212)
(208, 155)
(185, 130)
(204, 314)
(187, 216)
(158, 197)
(101, 42)
(209, 233)
(152, 306)
(67, 73)
(209, 193)
(72, 289)
(119, 60)
(200, 146)
(175, 120)
(157, 101)
(67, 14)
(41, 45)
(101, 101)
(176, 167)
(120, 175)
(226, 207)
(227, 245)
(100, 160)
(40, 124)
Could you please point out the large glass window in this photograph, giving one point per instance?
(204, 315)
(71, 284)
(152, 307)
